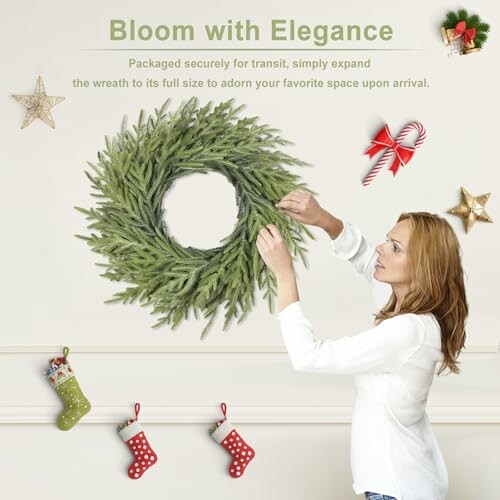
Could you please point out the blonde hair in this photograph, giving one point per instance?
(436, 283)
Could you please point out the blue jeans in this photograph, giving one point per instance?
(369, 495)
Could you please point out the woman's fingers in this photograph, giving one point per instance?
(262, 242)
(300, 205)
(291, 205)
(265, 237)
(296, 201)
(274, 231)
(292, 213)
(296, 196)
(260, 248)
(268, 235)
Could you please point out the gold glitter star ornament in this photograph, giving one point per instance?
(471, 209)
(38, 105)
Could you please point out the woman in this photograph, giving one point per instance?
(417, 279)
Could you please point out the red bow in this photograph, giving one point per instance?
(461, 29)
(384, 140)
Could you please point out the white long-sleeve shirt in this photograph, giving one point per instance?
(393, 448)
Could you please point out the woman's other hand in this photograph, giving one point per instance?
(273, 250)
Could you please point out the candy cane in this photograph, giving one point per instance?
(392, 148)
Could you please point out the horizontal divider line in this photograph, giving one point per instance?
(85, 349)
(142, 349)
(251, 414)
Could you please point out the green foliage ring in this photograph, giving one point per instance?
(131, 177)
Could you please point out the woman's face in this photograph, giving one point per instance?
(392, 258)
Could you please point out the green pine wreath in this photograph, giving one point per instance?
(131, 177)
(471, 21)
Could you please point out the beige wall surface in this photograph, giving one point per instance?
(52, 294)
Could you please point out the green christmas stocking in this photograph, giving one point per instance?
(63, 380)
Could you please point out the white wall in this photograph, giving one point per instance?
(52, 294)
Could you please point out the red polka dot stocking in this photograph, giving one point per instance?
(144, 456)
(241, 453)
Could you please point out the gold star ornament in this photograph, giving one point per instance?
(471, 209)
(38, 105)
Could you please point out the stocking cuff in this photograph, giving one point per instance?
(63, 373)
(222, 431)
(130, 431)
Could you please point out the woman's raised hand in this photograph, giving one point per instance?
(302, 206)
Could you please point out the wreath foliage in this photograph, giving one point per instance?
(130, 179)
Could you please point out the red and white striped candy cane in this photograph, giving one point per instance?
(389, 152)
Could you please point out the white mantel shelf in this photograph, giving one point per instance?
(154, 349)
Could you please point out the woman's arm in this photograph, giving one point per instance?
(330, 224)
(381, 349)
(287, 289)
